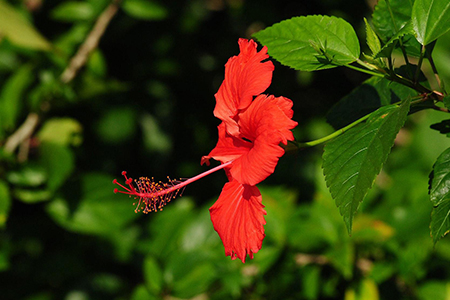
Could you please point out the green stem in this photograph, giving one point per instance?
(419, 65)
(300, 145)
(330, 136)
(365, 71)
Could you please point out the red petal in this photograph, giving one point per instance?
(258, 163)
(267, 123)
(238, 218)
(245, 76)
(227, 148)
(268, 115)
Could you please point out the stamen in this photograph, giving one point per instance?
(153, 196)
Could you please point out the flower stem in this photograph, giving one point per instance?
(333, 135)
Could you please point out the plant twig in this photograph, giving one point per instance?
(436, 74)
(90, 43)
(22, 134)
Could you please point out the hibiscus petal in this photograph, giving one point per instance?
(268, 115)
(245, 76)
(259, 163)
(238, 218)
(267, 123)
(227, 148)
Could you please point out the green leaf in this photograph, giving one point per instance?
(431, 19)
(145, 9)
(366, 98)
(153, 275)
(58, 161)
(440, 196)
(154, 137)
(311, 43)
(342, 257)
(366, 290)
(11, 96)
(352, 160)
(72, 11)
(389, 46)
(189, 274)
(61, 131)
(434, 290)
(31, 175)
(31, 195)
(142, 293)
(19, 30)
(389, 18)
(98, 212)
(440, 179)
(117, 125)
(168, 226)
(5, 204)
(372, 39)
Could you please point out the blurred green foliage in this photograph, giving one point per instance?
(143, 102)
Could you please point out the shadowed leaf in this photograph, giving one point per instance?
(352, 160)
(440, 196)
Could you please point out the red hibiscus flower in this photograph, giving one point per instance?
(238, 214)
(248, 148)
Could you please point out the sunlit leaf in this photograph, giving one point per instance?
(440, 196)
(434, 290)
(18, 30)
(31, 175)
(142, 293)
(367, 290)
(311, 43)
(352, 160)
(62, 131)
(368, 229)
(431, 19)
(71, 11)
(145, 9)
(372, 39)
(32, 195)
